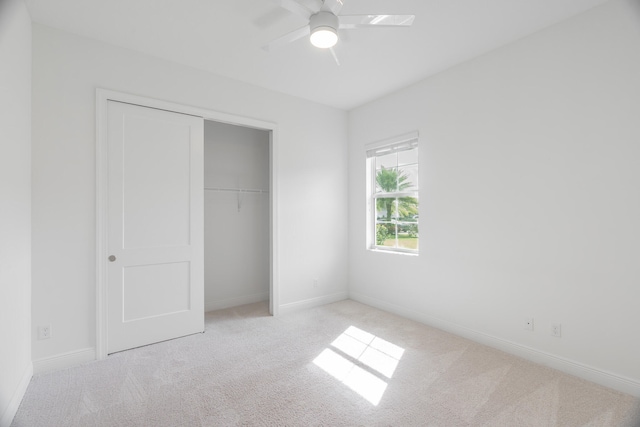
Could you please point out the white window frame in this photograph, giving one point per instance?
(376, 149)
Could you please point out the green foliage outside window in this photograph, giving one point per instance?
(382, 234)
(389, 181)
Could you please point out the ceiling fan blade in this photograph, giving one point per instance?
(335, 57)
(332, 6)
(301, 8)
(349, 22)
(287, 38)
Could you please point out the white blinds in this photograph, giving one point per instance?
(393, 145)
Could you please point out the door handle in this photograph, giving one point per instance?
(112, 258)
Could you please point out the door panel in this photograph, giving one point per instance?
(167, 283)
(156, 179)
(155, 226)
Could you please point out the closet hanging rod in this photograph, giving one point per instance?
(237, 190)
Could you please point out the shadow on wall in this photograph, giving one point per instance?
(634, 7)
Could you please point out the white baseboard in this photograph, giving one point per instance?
(312, 302)
(234, 302)
(16, 399)
(589, 373)
(64, 360)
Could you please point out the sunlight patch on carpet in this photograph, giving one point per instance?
(359, 360)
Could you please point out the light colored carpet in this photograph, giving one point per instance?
(343, 364)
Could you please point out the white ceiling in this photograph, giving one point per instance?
(226, 38)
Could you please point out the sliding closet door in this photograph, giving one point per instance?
(155, 226)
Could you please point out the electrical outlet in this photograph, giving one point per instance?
(528, 323)
(316, 282)
(556, 330)
(44, 332)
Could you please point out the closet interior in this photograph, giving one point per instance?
(236, 215)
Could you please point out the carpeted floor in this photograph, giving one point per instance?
(343, 364)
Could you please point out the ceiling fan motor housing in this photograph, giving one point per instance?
(323, 20)
(324, 29)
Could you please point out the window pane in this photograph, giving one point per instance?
(386, 234)
(408, 235)
(408, 178)
(385, 209)
(408, 157)
(386, 180)
(388, 161)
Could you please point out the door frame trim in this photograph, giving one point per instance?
(103, 96)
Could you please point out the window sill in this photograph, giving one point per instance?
(394, 252)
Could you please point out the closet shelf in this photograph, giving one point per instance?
(237, 190)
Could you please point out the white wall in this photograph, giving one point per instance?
(311, 167)
(15, 206)
(529, 186)
(236, 244)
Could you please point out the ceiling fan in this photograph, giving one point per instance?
(324, 23)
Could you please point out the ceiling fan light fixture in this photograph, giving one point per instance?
(324, 37)
(324, 30)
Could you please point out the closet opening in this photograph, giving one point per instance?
(237, 215)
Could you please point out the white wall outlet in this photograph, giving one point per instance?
(556, 330)
(316, 282)
(44, 332)
(528, 323)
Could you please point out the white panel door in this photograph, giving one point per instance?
(155, 273)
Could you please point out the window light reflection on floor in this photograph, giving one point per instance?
(359, 360)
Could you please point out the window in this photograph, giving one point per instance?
(392, 177)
